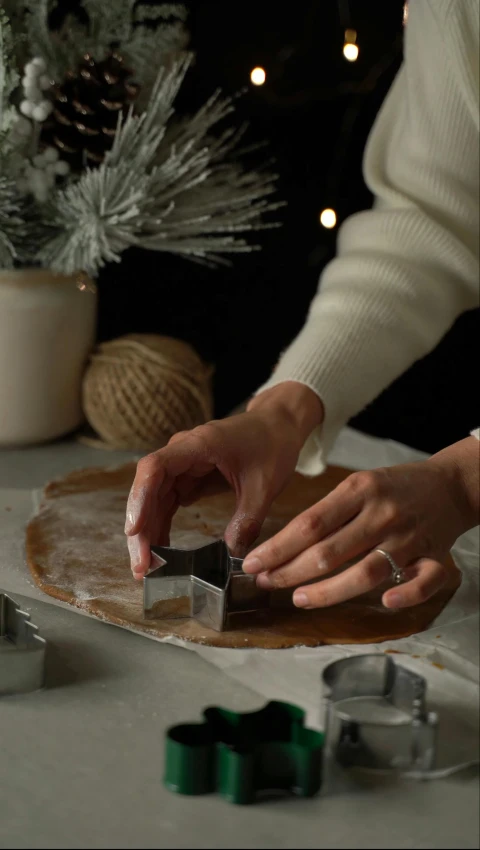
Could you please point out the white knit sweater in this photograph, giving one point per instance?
(406, 269)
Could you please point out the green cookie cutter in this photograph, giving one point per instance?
(240, 755)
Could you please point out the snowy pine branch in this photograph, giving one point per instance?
(147, 36)
(9, 76)
(177, 196)
(163, 183)
(12, 224)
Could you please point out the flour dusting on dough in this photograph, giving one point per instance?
(93, 540)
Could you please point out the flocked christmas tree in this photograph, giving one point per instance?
(90, 160)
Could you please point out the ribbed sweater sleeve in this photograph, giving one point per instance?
(407, 268)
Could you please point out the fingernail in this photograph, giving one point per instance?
(252, 565)
(134, 552)
(394, 600)
(264, 581)
(135, 505)
(300, 599)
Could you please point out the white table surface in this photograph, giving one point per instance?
(81, 762)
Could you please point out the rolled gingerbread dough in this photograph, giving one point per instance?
(76, 551)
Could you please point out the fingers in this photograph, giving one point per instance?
(140, 555)
(160, 521)
(423, 579)
(354, 539)
(253, 503)
(157, 473)
(311, 526)
(362, 577)
(190, 488)
(148, 479)
(152, 501)
(156, 532)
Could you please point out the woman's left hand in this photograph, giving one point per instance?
(414, 512)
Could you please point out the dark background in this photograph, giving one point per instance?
(315, 111)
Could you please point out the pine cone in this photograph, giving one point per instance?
(86, 109)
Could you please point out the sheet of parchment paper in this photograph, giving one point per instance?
(447, 655)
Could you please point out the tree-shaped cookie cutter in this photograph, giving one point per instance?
(376, 717)
(207, 584)
(243, 755)
(22, 650)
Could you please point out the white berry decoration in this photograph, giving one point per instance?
(31, 71)
(34, 82)
(44, 82)
(39, 160)
(22, 127)
(26, 108)
(39, 65)
(50, 155)
(30, 83)
(42, 111)
(62, 168)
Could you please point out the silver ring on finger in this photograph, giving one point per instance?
(397, 573)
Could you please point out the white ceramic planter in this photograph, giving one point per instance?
(47, 330)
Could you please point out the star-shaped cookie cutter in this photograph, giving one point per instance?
(206, 584)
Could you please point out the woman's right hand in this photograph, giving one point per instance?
(253, 453)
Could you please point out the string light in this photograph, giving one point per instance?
(350, 51)
(258, 76)
(350, 48)
(328, 218)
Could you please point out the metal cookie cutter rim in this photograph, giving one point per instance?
(211, 580)
(22, 650)
(351, 741)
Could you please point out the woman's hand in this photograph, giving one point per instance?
(253, 453)
(415, 512)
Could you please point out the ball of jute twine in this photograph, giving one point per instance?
(141, 389)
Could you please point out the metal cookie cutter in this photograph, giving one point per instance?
(376, 717)
(22, 650)
(207, 584)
